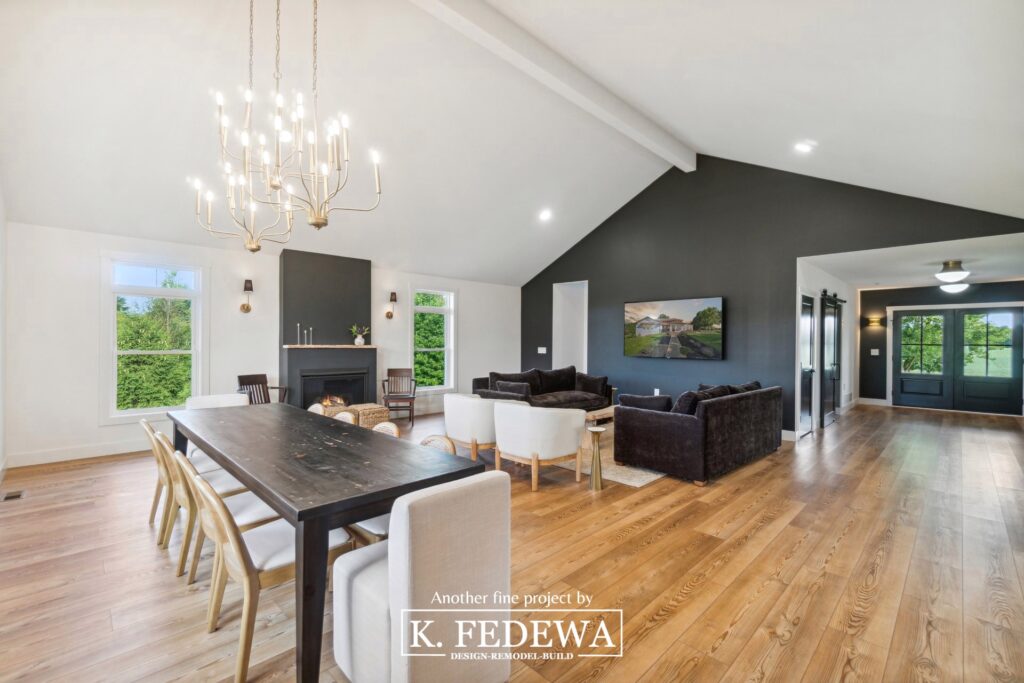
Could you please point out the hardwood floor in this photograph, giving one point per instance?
(889, 547)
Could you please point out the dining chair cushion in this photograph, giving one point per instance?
(201, 461)
(377, 526)
(216, 401)
(222, 482)
(272, 546)
(362, 620)
(247, 509)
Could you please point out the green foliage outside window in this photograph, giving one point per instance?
(987, 345)
(429, 340)
(921, 344)
(146, 323)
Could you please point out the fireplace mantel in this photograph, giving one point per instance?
(327, 346)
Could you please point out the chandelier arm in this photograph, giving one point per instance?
(259, 235)
(222, 234)
(356, 208)
(342, 182)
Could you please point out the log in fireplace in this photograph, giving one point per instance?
(348, 386)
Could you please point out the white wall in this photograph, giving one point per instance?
(487, 320)
(811, 280)
(53, 333)
(3, 340)
(569, 325)
(53, 336)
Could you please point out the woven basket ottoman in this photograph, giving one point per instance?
(368, 415)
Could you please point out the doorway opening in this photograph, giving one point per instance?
(569, 324)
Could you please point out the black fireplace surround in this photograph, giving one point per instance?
(310, 372)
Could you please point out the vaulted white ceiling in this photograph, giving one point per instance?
(917, 97)
(106, 107)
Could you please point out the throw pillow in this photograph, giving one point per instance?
(562, 379)
(531, 377)
(592, 384)
(660, 403)
(521, 388)
(751, 386)
(686, 404)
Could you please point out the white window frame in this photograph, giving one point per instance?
(199, 296)
(450, 378)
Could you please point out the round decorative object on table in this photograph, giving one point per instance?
(595, 461)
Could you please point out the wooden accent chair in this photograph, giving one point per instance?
(399, 392)
(469, 421)
(449, 539)
(259, 558)
(375, 529)
(255, 386)
(537, 436)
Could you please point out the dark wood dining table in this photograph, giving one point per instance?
(319, 474)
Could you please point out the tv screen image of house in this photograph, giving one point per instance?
(680, 328)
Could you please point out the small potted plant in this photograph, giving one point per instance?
(358, 332)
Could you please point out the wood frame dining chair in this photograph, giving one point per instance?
(258, 389)
(375, 529)
(182, 499)
(399, 392)
(256, 570)
(163, 480)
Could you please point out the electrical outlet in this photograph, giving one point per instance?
(657, 391)
(542, 350)
(875, 352)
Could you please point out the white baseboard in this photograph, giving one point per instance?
(50, 455)
(873, 401)
(788, 435)
(848, 406)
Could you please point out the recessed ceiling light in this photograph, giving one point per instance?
(544, 215)
(805, 146)
(952, 271)
(954, 288)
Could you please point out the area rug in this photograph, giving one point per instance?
(637, 477)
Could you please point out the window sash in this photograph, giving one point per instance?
(448, 311)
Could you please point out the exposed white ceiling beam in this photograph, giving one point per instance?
(489, 28)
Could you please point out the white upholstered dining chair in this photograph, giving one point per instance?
(203, 462)
(422, 558)
(469, 421)
(537, 436)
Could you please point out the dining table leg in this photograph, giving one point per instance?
(310, 589)
(180, 440)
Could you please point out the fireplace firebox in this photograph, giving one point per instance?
(334, 387)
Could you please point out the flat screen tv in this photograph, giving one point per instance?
(680, 328)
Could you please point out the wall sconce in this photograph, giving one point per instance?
(247, 288)
(874, 321)
(391, 310)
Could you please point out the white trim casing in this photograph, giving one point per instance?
(451, 380)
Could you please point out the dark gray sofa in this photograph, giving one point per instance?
(562, 388)
(703, 435)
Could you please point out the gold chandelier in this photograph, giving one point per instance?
(299, 167)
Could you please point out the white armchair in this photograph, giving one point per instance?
(537, 436)
(469, 421)
(447, 539)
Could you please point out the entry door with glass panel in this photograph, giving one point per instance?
(923, 359)
(988, 360)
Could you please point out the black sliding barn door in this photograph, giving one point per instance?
(831, 370)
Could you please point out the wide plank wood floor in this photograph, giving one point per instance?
(888, 547)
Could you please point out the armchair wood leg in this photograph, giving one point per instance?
(497, 458)
(534, 472)
(701, 483)
(165, 518)
(579, 464)
(249, 605)
(220, 579)
(186, 540)
(200, 539)
(156, 501)
(474, 450)
(174, 509)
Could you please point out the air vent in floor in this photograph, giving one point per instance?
(10, 495)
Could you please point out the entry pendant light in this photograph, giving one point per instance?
(954, 288)
(952, 271)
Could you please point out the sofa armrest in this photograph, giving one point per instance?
(502, 395)
(481, 383)
(667, 442)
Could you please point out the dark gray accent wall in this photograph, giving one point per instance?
(733, 230)
(873, 303)
(327, 293)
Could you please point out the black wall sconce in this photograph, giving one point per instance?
(392, 300)
(247, 288)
